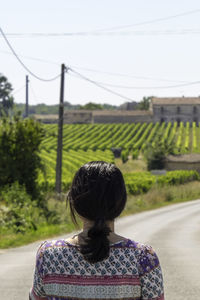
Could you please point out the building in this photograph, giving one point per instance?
(78, 116)
(184, 109)
(47, 119)
(107, 116)
(129, 106)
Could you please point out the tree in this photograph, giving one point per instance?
(145, 103)
(156, 153)
(6, 100)
(19, 152)
(92, 106)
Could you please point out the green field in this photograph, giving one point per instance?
(87, 142)
(83, 143)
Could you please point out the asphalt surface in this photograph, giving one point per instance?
(173, 231)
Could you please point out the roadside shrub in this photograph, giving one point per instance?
(178, 177)
(19, 152)
(139, 182)
(142, 182)
(18, 212)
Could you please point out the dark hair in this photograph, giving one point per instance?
(98, 194)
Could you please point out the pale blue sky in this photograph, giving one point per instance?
(156, 55)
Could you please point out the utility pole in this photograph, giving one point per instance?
(60, 132)
(26, 110)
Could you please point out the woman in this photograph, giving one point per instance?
(97, 263)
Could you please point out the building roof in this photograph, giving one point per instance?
(77, 111)
(121, 112)
(112, 112)
(43, 117)
(176, 101)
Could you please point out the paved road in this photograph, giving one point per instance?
(173, 231)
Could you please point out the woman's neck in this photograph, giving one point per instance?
(87, 224)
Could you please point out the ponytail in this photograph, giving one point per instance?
(96, 246)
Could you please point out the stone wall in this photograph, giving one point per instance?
(78, 117)
(106, 116)
(183, 162)
(47, 119)
(171, 166)
(122, 118)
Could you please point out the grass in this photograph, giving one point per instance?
(132, 165)
(162, 196)
(44, 231)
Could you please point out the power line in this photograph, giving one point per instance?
(103, 72)
(32, 58)
(128, 76)
(100, 85)
(153, 21)
(97, 71)
(34, 94)
(165, 32)
(23, 65)
(18, 90)
(108, 28)
(140, 87)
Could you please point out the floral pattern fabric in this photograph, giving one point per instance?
(131, 272)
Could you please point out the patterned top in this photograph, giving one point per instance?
(131, 272)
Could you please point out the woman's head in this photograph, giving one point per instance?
(98, 191)
(98, 194)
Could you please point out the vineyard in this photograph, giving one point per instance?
(87, 142)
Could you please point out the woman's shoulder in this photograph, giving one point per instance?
(143, 250)
(144, 253)
(124, 243)
(51, 246)
(132, 244)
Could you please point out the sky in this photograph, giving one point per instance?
(116, 50)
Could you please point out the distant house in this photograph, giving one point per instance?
(129, 106)
(184, 109)
(77, 116)
(47, 119)
(107, 116)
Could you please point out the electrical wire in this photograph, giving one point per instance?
(23, 65)
(104, 30)
(138, 87)
(165, 32)
(98, 71)
(34, 94)
(32, 58)
(100, 85)
(152, 21)
(149, 87)
(128, 76)
(18, 90)
(134, 87)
